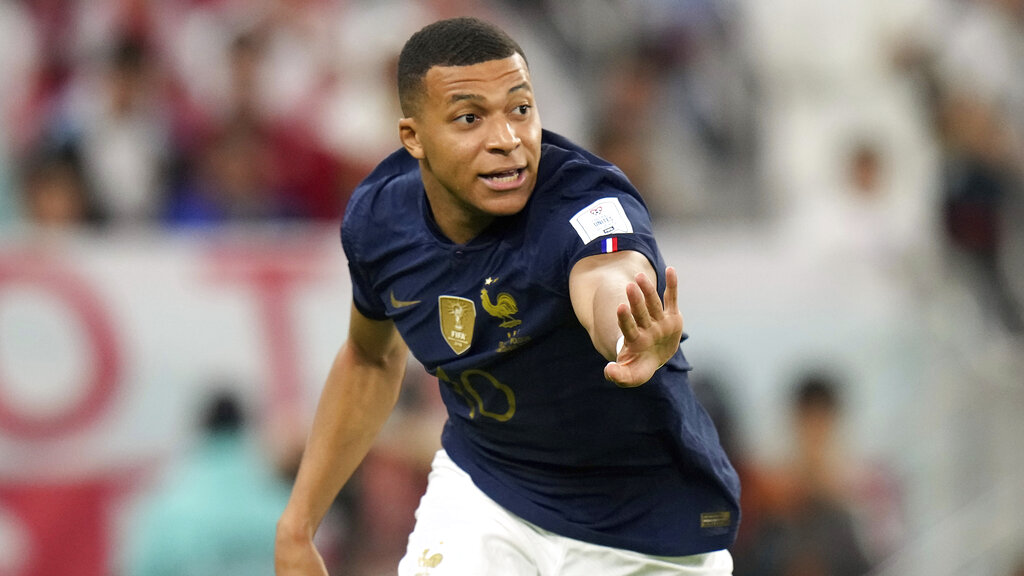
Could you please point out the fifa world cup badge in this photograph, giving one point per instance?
(458, 316)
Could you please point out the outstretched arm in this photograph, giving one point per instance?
(361, 390)
(614, 296)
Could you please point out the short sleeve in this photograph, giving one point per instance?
(612, 223)
(589, 208)
(364, 297)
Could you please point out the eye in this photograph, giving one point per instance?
(468, 119)
(523, 109)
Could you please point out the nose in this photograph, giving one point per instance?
(503, 138)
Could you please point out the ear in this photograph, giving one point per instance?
(407, 133)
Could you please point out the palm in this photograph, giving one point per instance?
(650, 330)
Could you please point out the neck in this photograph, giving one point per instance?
(459, 222)
(458, 228)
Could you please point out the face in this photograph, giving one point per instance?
(477, 136)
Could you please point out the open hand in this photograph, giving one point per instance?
(650, 331)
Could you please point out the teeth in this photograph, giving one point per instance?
(505, 176)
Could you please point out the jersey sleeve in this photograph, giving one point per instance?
(612, 221)
(364, 297)
(597, 210)
(593, 209)
(609, 216)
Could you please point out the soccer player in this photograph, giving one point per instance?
(522, 271)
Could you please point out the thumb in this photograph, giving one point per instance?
(620, 375)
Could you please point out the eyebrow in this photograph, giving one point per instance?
(460, 97)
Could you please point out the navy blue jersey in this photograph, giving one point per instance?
(531, 417)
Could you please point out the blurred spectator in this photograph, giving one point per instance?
(981, 121)
(234, 181)
(979, 180)
(813, 530)
(359, 119)
(631, 89)
(295, 51)
(866, 226)
(673, 97)
(267, 68)
(826, 71)
(54, 192)
(216, 512)
(119, 125)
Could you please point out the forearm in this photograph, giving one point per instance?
(597, 287)
(604, 330)
(649, 328)
(357, 398)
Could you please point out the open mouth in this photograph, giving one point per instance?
(507, 177)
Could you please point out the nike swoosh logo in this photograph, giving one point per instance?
(396, 303)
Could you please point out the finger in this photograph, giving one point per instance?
(671, 291)
(625, 375)
(619, 375)
(613, 373)
(627, 324)
(651, 300)
(638, 305)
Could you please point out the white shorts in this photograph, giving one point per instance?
(461, 532)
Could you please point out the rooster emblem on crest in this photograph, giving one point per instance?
(504, 308)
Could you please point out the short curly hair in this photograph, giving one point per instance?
(451, 42)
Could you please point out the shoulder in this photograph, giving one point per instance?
(389, 185)
(575, 171)
(382, 202)
(578, 189)
(580, 201)
(572, 178)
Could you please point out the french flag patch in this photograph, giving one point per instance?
(609, 245)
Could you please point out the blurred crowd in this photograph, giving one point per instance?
(204, 111)
(884, 134)
(186, 113)
(880, 129)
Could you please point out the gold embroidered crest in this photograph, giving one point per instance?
(457, 318)
(504, 307)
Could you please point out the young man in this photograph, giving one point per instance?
(521, 270)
